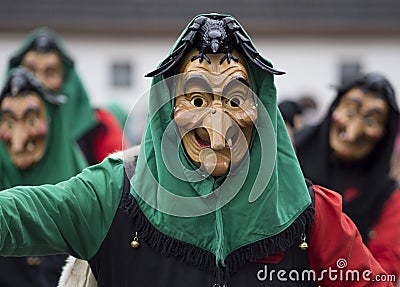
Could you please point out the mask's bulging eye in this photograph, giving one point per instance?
(197, 102)
(10, 123)
(235, 102)
(32, 121)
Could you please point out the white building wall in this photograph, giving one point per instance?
(311, 63)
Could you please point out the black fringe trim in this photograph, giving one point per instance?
(205, 260)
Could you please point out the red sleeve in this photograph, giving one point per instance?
(108, 138)
(336, 247)
(385, 245)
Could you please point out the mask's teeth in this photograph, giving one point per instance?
(30, 146)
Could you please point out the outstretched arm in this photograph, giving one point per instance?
(70, 217)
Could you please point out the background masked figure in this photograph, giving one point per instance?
(35, 148)
(214, 197)
(349, 152)
(97, 131)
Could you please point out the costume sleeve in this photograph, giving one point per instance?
(337, 253)
(70, 217)
(385, 243)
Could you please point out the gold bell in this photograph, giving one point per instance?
(135, 242)
(303, 244)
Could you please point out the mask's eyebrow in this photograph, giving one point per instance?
(31, 109)
(199, 80)
(8, 112)
(354, 100)
(11, 113)
(234, 82)
(373, 111)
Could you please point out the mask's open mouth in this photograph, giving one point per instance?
(202, 138)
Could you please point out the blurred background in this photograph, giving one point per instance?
(319, 43)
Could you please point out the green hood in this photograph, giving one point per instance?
(80, 115)
(269, 191)
(62, 158)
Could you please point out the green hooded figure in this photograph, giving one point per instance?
(35, 148)
(54, 141)
(228, 208)
(44, 54)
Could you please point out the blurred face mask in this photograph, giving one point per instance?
(47, 67)
(215, 112)
(358, 123)
(23, 128)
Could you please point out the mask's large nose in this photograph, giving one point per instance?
(18, 139)
(353, 130)
(220, 128)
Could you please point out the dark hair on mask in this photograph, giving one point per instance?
(372, 83)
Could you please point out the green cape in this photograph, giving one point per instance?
(80, 115)
(61, 160)
(260, 210)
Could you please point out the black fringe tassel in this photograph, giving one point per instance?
(205, 260)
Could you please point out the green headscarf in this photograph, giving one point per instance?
(79, 114)
(260, 210)
(61, 160)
